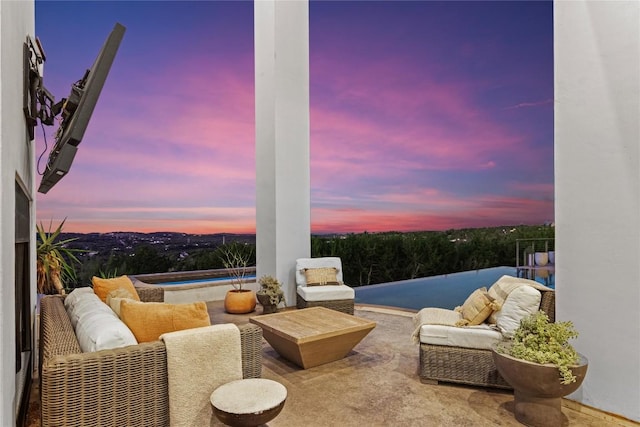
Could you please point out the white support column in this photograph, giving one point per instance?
(597, 185)
(281, 32)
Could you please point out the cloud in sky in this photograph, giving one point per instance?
(424, 116)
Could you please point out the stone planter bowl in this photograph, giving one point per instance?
(265, 301)
(537, 388)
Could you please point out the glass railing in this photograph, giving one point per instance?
(536, 260)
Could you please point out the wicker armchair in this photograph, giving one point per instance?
(120, 387)
(469, 365)
(336, 297)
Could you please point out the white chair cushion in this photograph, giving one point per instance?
(302, 263)
(501, 289)
(520, 303)
(481, 337)
(326, 293)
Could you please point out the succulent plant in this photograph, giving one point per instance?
(271, 286)
(540, 341)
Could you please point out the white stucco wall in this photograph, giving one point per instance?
(597, 181)
(16, 162)
(283, 228)
(597, 74)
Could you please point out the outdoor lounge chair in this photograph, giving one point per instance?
(328, 290)
(463, 354)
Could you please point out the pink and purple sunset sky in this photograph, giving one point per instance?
(424, 115)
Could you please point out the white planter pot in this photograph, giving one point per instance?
(552, 257)
(542, 258)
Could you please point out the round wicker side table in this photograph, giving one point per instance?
(249, 402)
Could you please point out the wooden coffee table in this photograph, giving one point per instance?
(313, 336)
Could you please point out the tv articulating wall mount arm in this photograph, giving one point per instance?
(37, 100)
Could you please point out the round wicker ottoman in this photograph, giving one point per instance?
(248, 403)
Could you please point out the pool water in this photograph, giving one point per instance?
(445, 291)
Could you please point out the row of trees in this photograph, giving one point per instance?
(146, 259)
(367, 258)
(385, 257)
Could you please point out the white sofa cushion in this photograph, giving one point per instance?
(521, 302)
(96, 325)
(85, 302)
(101, 329)
(75, 295)
(326, 293)
(482, 336)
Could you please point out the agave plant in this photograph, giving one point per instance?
(55, 260)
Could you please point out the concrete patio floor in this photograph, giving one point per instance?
(377, 384)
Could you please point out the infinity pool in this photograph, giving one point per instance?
(445, 291)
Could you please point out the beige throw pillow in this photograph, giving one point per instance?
(476, 308)
(321, 276)
(116, 296)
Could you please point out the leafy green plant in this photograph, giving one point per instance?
(236, 257)
(54, 260)
(540, 341)
(109, 274)
(270, 286)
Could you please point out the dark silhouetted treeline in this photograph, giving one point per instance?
(371, 258)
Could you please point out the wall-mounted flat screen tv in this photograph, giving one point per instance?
(76, 110)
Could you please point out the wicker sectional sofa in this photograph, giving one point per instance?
(120, 387)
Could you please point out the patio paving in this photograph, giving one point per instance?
(377, 384)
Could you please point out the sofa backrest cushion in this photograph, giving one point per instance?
(149, 320)
(96, 326)
(501, 289)
(114, 303)
(75, 295)
(520, 303)
(82, 304)
(102, 287)
(115, 297)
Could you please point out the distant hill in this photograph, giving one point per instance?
(367, 258)
(164, 241)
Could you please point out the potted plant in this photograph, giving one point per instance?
(270, 294)
(236, 257)
(542, 367)
(54, 260)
